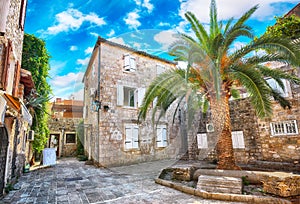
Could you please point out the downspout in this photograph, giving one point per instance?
(99, 103)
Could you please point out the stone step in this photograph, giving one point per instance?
(220, 184)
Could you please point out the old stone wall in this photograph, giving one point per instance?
(62, 126)
(13, 30)
(282, 148)
(260, 145)
(112, 121)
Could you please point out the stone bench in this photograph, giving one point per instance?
(220, 184)
(282, 184)
(278, 183)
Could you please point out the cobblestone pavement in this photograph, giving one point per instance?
(72, 182)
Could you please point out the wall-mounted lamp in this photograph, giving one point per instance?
(96, 105)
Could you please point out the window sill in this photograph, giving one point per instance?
(129, 72)
(132, 150)
(161, 148)
(130, 107)
(286, 135)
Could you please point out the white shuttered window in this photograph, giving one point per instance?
(131, 136)
(129, 63)
(161, 136)
(237, 139)
(202, 141)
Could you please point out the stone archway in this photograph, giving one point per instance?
(3, 156)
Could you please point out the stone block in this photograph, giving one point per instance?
(282, 184)
(219, 184)
(183, 173)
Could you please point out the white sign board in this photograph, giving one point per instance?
(49, 156)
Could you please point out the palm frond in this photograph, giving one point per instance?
(272, 45)
(197, 27)
(258, 91)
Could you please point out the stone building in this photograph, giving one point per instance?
(15, 118)
(268, 142)
(114, 87)
(66, 115)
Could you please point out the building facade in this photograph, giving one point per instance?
(15, 118)
(114, 86)
(65, 117)
(255, 141)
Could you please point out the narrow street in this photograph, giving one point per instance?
(72, 182)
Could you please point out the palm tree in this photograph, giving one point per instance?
(214, 72)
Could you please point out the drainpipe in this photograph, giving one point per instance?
(98, 109)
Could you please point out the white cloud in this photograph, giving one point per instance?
(64, 85)
(94, 34)
(88, 50)
(230, 8)
(137, 45)
(84, 61)
(73, 48)
(163, 24)
(145, 4)
(118, 40)
(111, 33)
(132, 19)
(72, 19)
(66, 80)
(148, 5)
(78, 95)
(138, 2)
(56, 66)
(165, 38)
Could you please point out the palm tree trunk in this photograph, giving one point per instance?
(221, 117)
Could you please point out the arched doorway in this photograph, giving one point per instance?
(3, 156)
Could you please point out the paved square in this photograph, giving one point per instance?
(72, 182)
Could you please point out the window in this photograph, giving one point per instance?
(129, 63)
(70, 138)
(202, 140)
(274, 85)
(131, 136)
(161, 136)
(237, 139)
(130, 97)
(284, 128)
(160, 69)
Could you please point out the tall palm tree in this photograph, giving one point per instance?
(214, 72)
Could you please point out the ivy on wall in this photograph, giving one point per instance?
(35, 58)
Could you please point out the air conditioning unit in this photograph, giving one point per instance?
(210, 127)
(30, 136)
(92, 92)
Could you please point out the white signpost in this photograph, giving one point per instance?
(49, 157)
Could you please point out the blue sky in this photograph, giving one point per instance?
(70, 28)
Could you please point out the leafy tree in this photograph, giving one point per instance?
(35, 58)
(215, 70)
(285, 27)
(80, 138)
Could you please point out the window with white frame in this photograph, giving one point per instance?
(129, 96)
(160, 69)
(161, 136)
(274, 85)
(237, 139)
(202, 141)
(129, 63)
(284, 128)
(131, 136)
